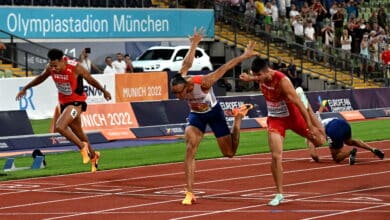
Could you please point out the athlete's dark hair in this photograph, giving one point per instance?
(178, 79)
(55, 54)
(259, 64)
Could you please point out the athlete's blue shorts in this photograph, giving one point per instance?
(214, 118)
(338, 130)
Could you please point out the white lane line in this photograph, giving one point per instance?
(347, 211)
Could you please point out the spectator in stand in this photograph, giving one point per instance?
(352, 9)
(346, 41)
(87, 63)
(218, 6)
(373, 49)
(260, 11)
(293, 12)
(288, 8)
(321, 13)
(364, 55)
(268, 17)
(310, 40)
(333, 11)
(353, 25)
(338, 21)
(327, 40)
(378, 29)
(297, 23)
(372, 19)
(129, 64)
(280, 66)
(292, 73)
(305, 10)
(109, 67)
(274, 14)
(382, 18)
(299, 4)
(119, 64)
(386, 61)
(250, 14)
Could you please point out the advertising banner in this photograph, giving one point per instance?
(141, 86)
(105, 23)
(113, 120)
(96, 96)
(39, 101)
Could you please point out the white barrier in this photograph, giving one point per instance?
(41, 100)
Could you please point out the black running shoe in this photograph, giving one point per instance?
(352, 156)
(379, 153)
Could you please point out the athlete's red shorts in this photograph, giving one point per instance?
(294, 121)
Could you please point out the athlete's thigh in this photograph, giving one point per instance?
(193, 135)
(68, 115)
(76, 127)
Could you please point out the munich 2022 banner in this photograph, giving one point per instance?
(82, 23)
(141, 86)
(113, 120)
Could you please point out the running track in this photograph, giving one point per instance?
(235, 188)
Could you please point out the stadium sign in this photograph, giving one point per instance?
(82, 23)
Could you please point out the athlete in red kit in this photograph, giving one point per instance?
(285, 111)
(68, 77)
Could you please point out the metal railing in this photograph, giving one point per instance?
(19, 56)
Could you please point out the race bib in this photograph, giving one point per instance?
(277, 109)
(64, 88)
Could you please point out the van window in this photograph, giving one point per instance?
(158, 54)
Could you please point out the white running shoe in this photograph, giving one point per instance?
(277, 200)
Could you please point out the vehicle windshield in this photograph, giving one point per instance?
(158, 54)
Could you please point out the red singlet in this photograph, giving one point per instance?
(282, 114)
(70, 88)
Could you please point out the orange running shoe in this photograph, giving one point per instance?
(94, 161)
(84, 153)
(189, 199)
(242, 110)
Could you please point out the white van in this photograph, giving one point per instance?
(163, 58)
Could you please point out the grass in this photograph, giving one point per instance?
(251, 142)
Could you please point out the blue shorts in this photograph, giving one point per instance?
(214, 118)
(338, 131)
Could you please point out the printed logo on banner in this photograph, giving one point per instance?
(114, 120)
(340, 105)
(108, 116)
(58, 140)
(228, 106)
(141, 86)
(387, 112)
(3, 145)
(173, 130)
(26, 101)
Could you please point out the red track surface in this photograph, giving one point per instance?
(237, 188)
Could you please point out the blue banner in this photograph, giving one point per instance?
(83, 23)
